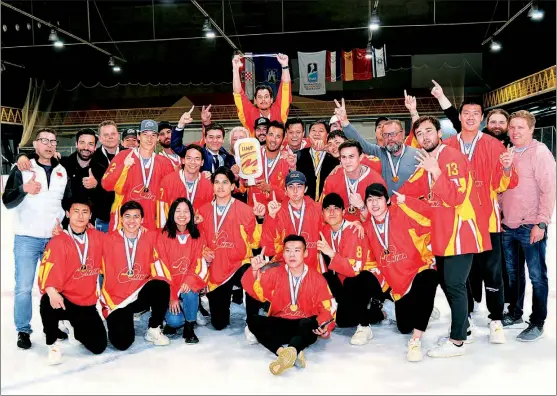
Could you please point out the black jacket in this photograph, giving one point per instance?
(102, 199)
(305, 165)
(76, 174)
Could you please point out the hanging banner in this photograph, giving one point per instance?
(312, 67)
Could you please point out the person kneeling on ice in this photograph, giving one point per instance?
(68, 281)
(135, 280)
(352, 277)
(180, 245)
(399, 236)
(302, 307)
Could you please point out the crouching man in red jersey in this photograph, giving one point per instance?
(302, 306)
(135, 280)
(68, 282)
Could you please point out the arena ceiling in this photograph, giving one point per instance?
(162, 40)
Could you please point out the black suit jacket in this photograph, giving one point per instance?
(102, 199)
(305, 165)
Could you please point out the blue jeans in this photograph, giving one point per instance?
(189, 302)
(101, 225)
(537, 270)
(27, 253)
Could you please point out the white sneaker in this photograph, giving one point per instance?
(446, 349)
(71, 334)
(362, 335)
(54, 354)
(205, 303)
(496, 333)
(470, 334)
(201, 320)
(155, 335)
(251, 339)
(389, 309)
(415, 350)
(435, 314)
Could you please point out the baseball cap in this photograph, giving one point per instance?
(379, 119)
(262, 121)
(129, 132)
(376, 190)
(295, 177)
(333, 120)
(333, 199)
(164, 125)
(148, 125)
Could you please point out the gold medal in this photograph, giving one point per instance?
(83, 268)
(294, 307)
(351, 209)
(386, 252)
(395, 179)
(130, 274)
(146, 189)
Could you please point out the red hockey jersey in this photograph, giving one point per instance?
(173, 186)
(454, 225)
(277, 173)
(275, 230)
(352, 254)
(232, 240)
(373, 162)
(127, 183)
(122, 285)
(183, 256)
(314, 297)
(337, 182)
(62, 269)
(488, 176)
(408, 244)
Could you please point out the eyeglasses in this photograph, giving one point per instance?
(46, 141)
(391, 135)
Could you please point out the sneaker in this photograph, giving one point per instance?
(250, 337)
(414, 350)
(470, 337)
(301, 360)
(496, 334)
(54, 354)
(23, 340)
(205, 303)
(71, 333)
(447, 349)
(201, 320)
(189, 335)
(155, 335)
(167, 330)
(362, 335)
(285, 360)
(389, 310)
(531, 333)
(62, 335)
(435, 314)
(510, 322)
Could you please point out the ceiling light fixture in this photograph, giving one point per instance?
(16, 27)
(368, 50)
(111, 62)
(495, 46)
(58, 43)
(116, 69)
(374, 22)
(53, 36)
(535, 13)
(209, 33)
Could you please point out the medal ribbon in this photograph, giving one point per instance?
(130, 256)
(302, 212)
(191, 192)
(384, 243)
(472, 148)
(224, 213)
(295, 288)
(394, 169)
(82, 256)
(151, 164)
(269, 172)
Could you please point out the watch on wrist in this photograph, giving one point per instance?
(542, 226)
(285, 67)
(363, 208)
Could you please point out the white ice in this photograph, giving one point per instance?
(222, 363)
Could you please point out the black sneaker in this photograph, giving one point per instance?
(510, 321)
(167, 330)
(23, 340)
(62, 335)
(189, 335)
(531, 333)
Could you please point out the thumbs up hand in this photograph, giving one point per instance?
(258, 261)
(324, 247)
(258, 208)
(90, 181)
(32, 187)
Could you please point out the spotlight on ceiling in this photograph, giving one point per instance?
(28, 26)
(58, 43)
(5, 28)
(116, 69)
(16, 27)
(495, 46)
(374, 22)
(53, 36)
(111, 62)
(207, 29)
(535, 13)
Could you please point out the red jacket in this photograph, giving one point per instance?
(336, 183)
(314, 297)
(352, 255)
(233, 243)
(277, 180)
(275, 230)
(455, 228)
(172, 187)
(373, 162)
(489, 178)
(409, 240)
(119, 289)
(185, 261)
(61, 267)
(248, 113)
(127, 183)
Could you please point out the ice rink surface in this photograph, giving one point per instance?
(222, 363)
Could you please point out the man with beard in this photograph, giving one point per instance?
(274, 109)
(129, 139)
(261, 127)
(165, 131)
(398, 160)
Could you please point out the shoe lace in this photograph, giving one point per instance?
(530, 327)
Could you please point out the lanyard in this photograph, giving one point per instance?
(175, 158)
(269, 172)
(295, 287)
(103, 150)
(82, 256)
(130, 256)
(472, 148)
(394, 169)
(302, 212)
(336, 237)
(224, 213)
(151, 165)
(190, 191)
(384, 243)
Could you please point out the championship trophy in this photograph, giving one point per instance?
(248, 157)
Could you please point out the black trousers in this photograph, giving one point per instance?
(353, 298)
(86, 321)
(453, 277)
(488, 267)
(220, 298)
(414, 309)
(155, 295)
(273, 332)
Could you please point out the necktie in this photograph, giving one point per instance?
(316, 159)
(215, 162)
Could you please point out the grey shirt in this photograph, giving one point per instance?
(406, 168)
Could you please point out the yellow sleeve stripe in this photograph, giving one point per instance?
(422, 220)
(416, 176)
(285, 101)
(119, 186)
(240, 108)
(503, 183)
(258, 289)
